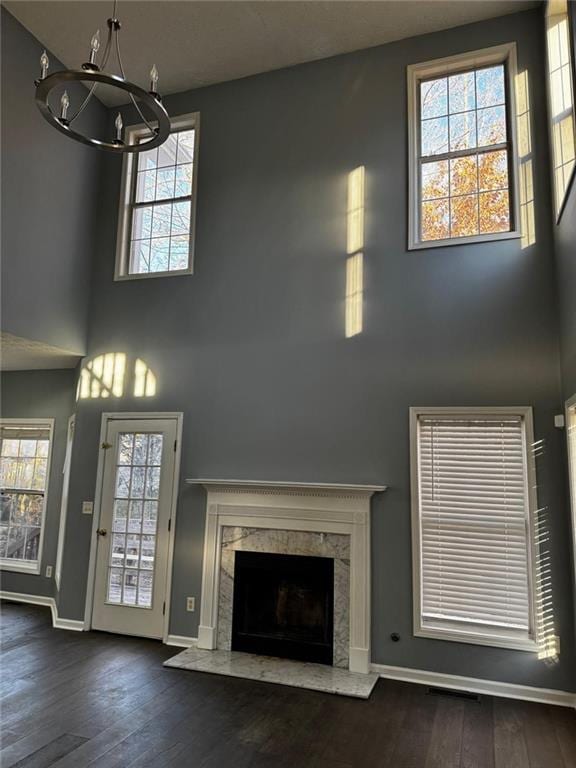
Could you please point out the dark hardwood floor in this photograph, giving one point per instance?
(71, 699)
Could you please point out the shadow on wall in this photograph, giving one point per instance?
(112, 375)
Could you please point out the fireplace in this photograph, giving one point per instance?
(331, 522)
(283, 605)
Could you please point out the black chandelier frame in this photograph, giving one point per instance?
(93, 73)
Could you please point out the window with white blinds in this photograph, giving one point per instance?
(472, 529)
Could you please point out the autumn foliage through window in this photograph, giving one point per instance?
(464, 155)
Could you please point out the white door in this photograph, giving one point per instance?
(133, 533)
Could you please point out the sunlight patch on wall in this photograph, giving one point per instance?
(561, 97)
(103, 377)
(525, 161)
(354, 249)
(545, 625)
(110, 375)
(144, 380)
(354, 282)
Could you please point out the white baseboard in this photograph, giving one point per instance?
(206, 637)
(181, 641)
(73, 624)
(49, 602)
(476, 685)
(359, 660)
(20, 597)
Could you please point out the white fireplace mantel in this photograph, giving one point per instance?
(286, 486)
(312, 507)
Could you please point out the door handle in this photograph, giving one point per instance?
(101, 531)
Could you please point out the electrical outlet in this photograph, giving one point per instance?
(190, 603)
(48, 571)
(87, 507)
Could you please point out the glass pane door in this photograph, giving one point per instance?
(135, 519)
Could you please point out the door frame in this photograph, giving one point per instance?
(64, 500)
(568, 405)
(107, 417)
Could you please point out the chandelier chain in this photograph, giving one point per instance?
(132, 99)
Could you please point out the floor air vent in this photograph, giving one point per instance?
(453, 694)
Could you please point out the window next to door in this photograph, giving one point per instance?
(24, 469)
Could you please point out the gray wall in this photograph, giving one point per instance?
(39, 395)
(252, 348)
(49, 187)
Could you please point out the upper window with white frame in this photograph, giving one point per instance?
(24, 468)
(561, 98)
(156, 222)
(462, 162)
(472, 480)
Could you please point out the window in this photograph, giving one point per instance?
(24, 467)
(561, 98)
(462, 159)
(156, 221)
(472, 481)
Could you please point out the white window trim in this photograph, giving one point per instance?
(64, 501)
(499, 54)
(22, 566)
(560, 204)
(180, 123)
(471, 636)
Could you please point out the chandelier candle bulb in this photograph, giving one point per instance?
(64, 104)
(153, 79)
(94, 46)
(44, 64)
(119, 125)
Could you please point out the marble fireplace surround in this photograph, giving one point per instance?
(288, 518)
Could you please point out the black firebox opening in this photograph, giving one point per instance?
(284, 606)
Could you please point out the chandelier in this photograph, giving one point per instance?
(93, 72)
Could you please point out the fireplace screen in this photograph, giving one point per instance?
(284, 606)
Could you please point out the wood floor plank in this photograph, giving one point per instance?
(541, 738)
(17, 751)
(445, 746)
(565, 728)
(510, 748)
(46, 756)
(478, 734)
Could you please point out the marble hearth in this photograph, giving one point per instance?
(294, 519)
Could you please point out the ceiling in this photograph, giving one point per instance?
(18, 354)
(199, 43)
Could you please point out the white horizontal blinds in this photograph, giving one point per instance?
(18, 432)
(473, 524)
